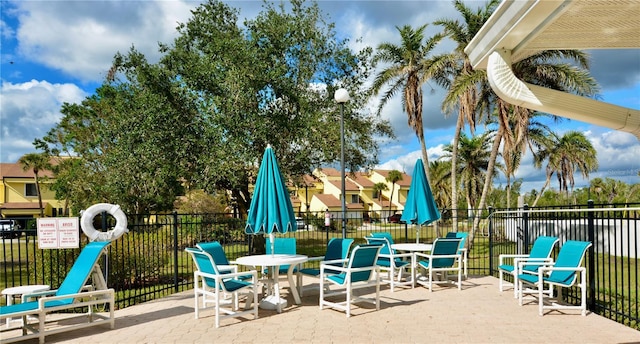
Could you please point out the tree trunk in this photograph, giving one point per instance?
(425, 157)
(39, 195)
(546, 183)
(485, 188)
(454, 172)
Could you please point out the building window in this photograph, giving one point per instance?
(30, 190)
(355, 199)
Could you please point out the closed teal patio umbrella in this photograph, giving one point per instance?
(420, 207)
(270, 210)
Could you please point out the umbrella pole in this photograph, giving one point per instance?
(272, 238)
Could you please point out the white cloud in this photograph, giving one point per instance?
(29, 110)
(80, 38)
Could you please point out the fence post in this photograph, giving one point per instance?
(591, 303)
(175, 251)
(525, 224)
(490, 241)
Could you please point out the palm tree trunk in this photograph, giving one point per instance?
(546, 183)
(485, 188)
(425, 157)
(454, 168)
(39, 194)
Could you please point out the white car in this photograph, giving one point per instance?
(9, 229)
(300, 223)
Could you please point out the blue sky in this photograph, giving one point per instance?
(58, 51)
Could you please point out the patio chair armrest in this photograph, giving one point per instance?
(519, 263)
(26, 297)
(333, 262)
(315, 259)
(44, 299)
(220, 277)
(424, 255)
(503, 257)
(324, 266)
(557, 268)
(402, 255)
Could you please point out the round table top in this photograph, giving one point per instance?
(25, 289)
(412, 247)
(272, 259)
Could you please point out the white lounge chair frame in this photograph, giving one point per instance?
(89, 296)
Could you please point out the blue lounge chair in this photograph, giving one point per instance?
(444, 257)
(72, 293)
(540, 254)
(359, 271)
(563, 273)
(337, 249)
(222, 289)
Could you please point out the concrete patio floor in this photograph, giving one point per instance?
(477, 314)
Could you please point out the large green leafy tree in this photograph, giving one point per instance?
(407, 68)
(219, 94)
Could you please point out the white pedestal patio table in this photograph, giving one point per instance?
(12, 292)
(272, 263)
(413, 248)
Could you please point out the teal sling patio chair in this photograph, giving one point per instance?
(222, 289)
(462, 249)
(540, 254)
(395, 264)
(444, 257)
(282, 246)
(359, 271)
(73, 293)
(563, 273)
(223, 264)
(337, 249)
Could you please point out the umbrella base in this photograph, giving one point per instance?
(271, 303)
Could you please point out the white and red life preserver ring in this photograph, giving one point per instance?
(115, 211)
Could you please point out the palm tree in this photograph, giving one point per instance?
(393, 177)
(473, 155)
(569, 153)
(463, 90)
(378, 188)
(36, 162)
(410, 66)
(439, 181)
(551, 69)
(527, 133)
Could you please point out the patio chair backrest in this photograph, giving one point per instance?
(459, 235)
(444, 246)
(363, 256)
(281, 246)
(204, 263)
(542, 248)
(338, 248)
(571, 255)
(385, 235)
(81, 270)
(215, 250)
(385, 249)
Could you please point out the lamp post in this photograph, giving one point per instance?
(342, 96)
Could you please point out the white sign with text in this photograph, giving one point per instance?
(58, 232)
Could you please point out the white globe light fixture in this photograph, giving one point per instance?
(341, 96)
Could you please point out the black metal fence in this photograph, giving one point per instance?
(149, 262)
